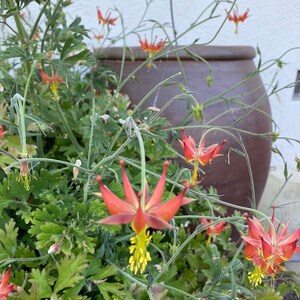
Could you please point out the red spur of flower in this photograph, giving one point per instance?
(107, 20)
(152, 47)
(202, 154)
(236, 18)
(5, 288)
(215, 229)
(54, 79)
(268, 250)
(155, 214)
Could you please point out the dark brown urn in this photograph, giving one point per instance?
(236, 99)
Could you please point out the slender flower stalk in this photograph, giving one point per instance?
(201, 155)
(268, 249)
(155, 214)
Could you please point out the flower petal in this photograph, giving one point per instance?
(139, 221)
(113, 203)
(118, 219)
(155, 199)
(156, 223)
(189, 146)
(130, 195)
(267, 248)
(209, 153)
(168, 210)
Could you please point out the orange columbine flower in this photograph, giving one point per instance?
(214, 229)
(53, 82)
(155, 214)
(268, 250)
(236, 18)
(152, 47)
(98, 37)
(107, 20)
(5, 288)
(202, 154)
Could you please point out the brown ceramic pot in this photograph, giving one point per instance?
(230, 66)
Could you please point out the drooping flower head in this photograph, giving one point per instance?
(107, 20)
(153, 47)
(98, 37)
(214, 229)
(268, 250)
(200, 154)
(25, 176)
(5, 288)
(53, 82)
(236, 18)
(154, 214)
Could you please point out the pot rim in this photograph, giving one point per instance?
(185, 52)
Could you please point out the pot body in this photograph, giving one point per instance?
(233, 101)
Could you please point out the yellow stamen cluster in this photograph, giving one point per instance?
(256, 276)
(54, 91)
(25, 179)
(140, 256)
(23, 176)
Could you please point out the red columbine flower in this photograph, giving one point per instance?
(268, 250)
(236, 18)
(98, 37)
(5, 288)
(1, 132)
(155, 214)
(53, 82)
(152, 47)
(107, 20)
(214, 229)
(202, 154)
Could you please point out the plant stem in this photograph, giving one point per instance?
(38, 19)
(68, 128)
(143, 160)
(173, 22)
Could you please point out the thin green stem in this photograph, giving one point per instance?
(49, 160)
(92, 127)
(142, 158)
(68, 128)
(58, 5)
(35, 25)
